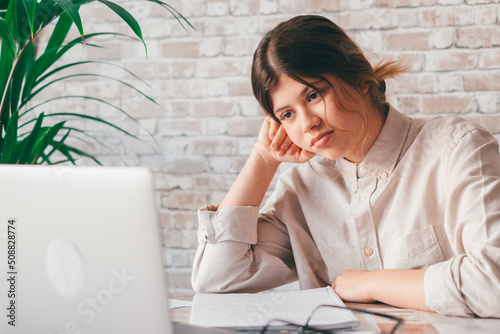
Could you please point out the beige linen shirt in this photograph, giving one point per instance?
(427, 195)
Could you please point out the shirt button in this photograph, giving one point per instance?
(362, 198)
(368, 251)
(362, 169)
(383, 175)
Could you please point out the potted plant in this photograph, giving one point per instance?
(25, 73)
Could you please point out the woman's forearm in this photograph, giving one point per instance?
(252, 183)
(397, 287)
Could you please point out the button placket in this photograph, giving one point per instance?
(365, 227)
(353, 186)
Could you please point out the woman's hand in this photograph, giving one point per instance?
(353, 286)
(274, 144)
(397, 287)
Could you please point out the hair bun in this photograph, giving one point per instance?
(382, 86)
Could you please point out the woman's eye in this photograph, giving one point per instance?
(286, 115)
(312, 96)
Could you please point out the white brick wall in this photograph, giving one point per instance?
(207, 119)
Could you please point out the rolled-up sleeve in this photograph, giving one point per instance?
(229, 257)
(468, 284)
(222, 226)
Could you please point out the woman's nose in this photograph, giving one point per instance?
(309, 120)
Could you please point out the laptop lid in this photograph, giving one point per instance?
(80, 251)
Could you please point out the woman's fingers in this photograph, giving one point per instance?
(280, 141)
(285, 146)
(273, 127)
(293, 149)
(274, 140)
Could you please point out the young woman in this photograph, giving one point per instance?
(387, 208)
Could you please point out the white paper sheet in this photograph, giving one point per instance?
(176, 303)
(252, 311)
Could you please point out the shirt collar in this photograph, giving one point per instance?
(385, 151)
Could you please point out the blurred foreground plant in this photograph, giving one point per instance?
(24, 137)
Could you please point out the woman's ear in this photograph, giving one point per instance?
(363, 87)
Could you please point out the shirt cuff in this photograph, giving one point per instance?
(442, 288)
(229, 224)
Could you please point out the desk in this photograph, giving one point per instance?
(416, 322)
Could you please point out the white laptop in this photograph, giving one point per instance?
(80, 252)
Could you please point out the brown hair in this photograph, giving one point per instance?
(311, 46)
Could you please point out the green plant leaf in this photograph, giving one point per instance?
(18, 78)
(56, 145)
(128, 18)
(65, 149)
(3, 5)
(46, 12)
(46, 159)
(64, 152)
(6, 63)
(7, 40)
(61, 147)
(22, 76)
(44, 141)
(41, 64)
(36, 142)
(78, 41)
(69, 7)
(58, 69)
(10, 139)
(49, 57)
(18, 22)
(29, 97)
(11, 18)
(31, 140)
(60, 32)
(91, 99)
(96, 119)
(178, 16)
(58, 162)
(19, 148)
(30, 8)
(88, 135)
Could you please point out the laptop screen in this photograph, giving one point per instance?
(80, 251)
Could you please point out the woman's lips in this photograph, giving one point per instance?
(321, 139)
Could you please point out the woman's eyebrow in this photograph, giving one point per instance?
(302, 93)
(280, 109)
(312, 84)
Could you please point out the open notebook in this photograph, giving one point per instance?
(252, 311)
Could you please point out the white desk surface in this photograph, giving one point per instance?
(420, 322)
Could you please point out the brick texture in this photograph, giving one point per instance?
(206, 120)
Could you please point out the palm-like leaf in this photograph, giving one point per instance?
(23, 76)
(72, 10)
(128, 18)
(6, 36)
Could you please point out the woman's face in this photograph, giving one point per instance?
(308, 118)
